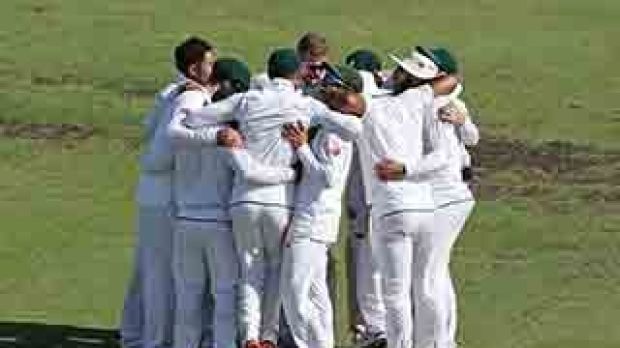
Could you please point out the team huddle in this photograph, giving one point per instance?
(243, 183)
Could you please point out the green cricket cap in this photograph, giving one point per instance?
(351, 78)
(363, 59)
(283, 62)
(233, 70)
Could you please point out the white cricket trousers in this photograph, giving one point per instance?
(259, 232)
(305, 293)
(204, 258)
(448, 222)
(367, 278)
(403, 244)
(148, 310)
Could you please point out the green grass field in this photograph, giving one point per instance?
(539, 263)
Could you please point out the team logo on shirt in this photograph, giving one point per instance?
(332, 147)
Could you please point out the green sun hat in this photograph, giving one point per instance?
(283, 62)
(442, 57)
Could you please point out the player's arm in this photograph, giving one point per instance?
(158, 111)
(347, 126)
(158, 155)
(253, 171)
(469, 133)
(467, 129)
(215, 113)
(415, 170)
(435, 157)
(416, 166)
(152, 119)
(331, 147)
(180, 133)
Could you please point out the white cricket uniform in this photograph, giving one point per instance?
(260, 81)
(203, 246)
(221, 262)
(366, 279)
(454, 203)
(147, 313)
(313, 229)
(261, 212)
(394, 127)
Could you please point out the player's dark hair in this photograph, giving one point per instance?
(189, 52)
(410, 82)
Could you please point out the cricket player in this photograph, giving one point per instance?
(313, 51)
(325, 159)
(369, 66)
(316, 72)
(260, 213)
(148, 312)
(197, 221)
(454, 201)
(401, 198)
(370, 311)
(313, 230)
(149, 184)
(204, 252)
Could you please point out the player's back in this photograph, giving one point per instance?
(202, 180)
(156, 160)
(261, 115)
(318, 199)
(393, 129)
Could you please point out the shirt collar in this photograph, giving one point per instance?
(280, 83)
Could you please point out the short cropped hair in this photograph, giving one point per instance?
(189, 52)
(312, 44)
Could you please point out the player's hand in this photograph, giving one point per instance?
(296, 134)
(390, 170)
(452, 115)
(445, 84)
(230, 138)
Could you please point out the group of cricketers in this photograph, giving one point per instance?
(243, 181)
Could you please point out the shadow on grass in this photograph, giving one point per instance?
(35, 335)
(40, 335)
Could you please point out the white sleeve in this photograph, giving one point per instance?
(366, 167)
(427, 166)
(333, 152)
(214, 113)
(182, 135)
(155, 115)
(434, 158)
(158, 156)
(468, 132)
(251, 170)
(151, 120)
(260, 81)
(414, 96)
(348, 127)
